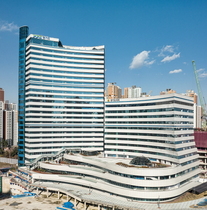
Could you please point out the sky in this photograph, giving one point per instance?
(148, 43)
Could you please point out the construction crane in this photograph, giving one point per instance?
(200, 95)
(149, 92)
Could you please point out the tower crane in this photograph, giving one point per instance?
(201, 98)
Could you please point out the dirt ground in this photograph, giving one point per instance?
(38, 203)
(5, 165)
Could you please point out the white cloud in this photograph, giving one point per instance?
(175, 71)
(198, 70)
(170, 58)
(140, 60)
(150, 62)
(204, 74)
(5, 26)
(167, 48)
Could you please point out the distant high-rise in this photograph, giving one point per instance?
(125, 93)
(113, 92)
(132, 92)
(8, 123)
(1, 119)
(197, 117)
(192, 94)
(1, 94)
(61, 96)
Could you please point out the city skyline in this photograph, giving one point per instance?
(150, 44)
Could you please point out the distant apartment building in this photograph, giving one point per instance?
(1, 94)
(1, 119)
(197, 116)
(192, 94)
(113, 92)
(197, 109)
(9, 122)
(132, 92)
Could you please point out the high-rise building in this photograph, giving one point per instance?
(197, 116)
(14, 127)
(125, 93)
(132, 92)
(1, 119)
(8, 123)
(113, 92)
(61, 96)
(192, 94)
(1, 94)
(8, 126)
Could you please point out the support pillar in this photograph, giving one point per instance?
(37, 190)
(113, 208)
(47, 193)
(84, 207)
(75, 202)
(58, 194)
(67, 197)
(98, 206)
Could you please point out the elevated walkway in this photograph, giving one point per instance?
(50, 157)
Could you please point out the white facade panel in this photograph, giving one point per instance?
(64, 96)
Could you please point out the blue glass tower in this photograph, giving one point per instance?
(23, 33)
(61, 96)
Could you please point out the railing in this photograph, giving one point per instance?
(55, 157)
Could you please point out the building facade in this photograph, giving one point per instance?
(1, 95)
(61, 96)
(1, 119)
(201, 144)
(159, 128)
(113, 92)
(9, 123)
(121, 178)
(197, 117)
(132, 92)
(61, 105)
(130, 126)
